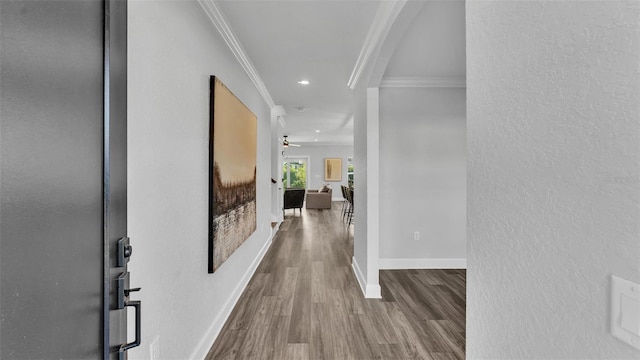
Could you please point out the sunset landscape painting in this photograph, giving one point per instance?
(232, 174)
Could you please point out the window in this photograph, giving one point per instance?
(294, 173)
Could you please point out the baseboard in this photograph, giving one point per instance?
(275, 229)
(203, 347)
(373, 291)
(428, 263)
(359, 276)
(370, 291)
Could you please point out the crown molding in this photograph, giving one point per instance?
(279, 113)
(385, 16)
(283, 124)
(425, 82)
(219, 21)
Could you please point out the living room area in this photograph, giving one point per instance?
(314, 175)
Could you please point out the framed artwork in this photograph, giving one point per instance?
(232, 173)
(333, 169)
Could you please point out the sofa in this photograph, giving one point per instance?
(319, 199)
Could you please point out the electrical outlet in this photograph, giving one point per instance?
(416, 235)
(154, 349)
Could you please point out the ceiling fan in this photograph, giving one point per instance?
(285, 142)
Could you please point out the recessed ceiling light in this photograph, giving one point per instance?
(315, 139)
(317, 131)
(303, 82)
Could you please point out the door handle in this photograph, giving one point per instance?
(124, 347)
(129, 291)
(123, 289)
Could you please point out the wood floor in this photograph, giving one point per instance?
(303, 302)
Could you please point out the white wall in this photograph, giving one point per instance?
(317, 154)
(422, 177)
(173, 49)
(554, 175)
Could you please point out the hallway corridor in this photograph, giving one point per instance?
(304, 302)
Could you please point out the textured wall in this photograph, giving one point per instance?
(173, 48)
(423, 173)
(553, 175)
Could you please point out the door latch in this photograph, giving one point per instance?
(124, 290)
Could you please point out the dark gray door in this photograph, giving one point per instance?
(62, 178)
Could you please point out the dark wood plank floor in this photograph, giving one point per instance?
(303, 302)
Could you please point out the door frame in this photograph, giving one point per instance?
(114, 177)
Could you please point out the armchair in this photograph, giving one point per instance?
(293, 199)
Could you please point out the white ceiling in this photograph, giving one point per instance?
(320, 40)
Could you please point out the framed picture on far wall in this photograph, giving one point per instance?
(332, 169)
